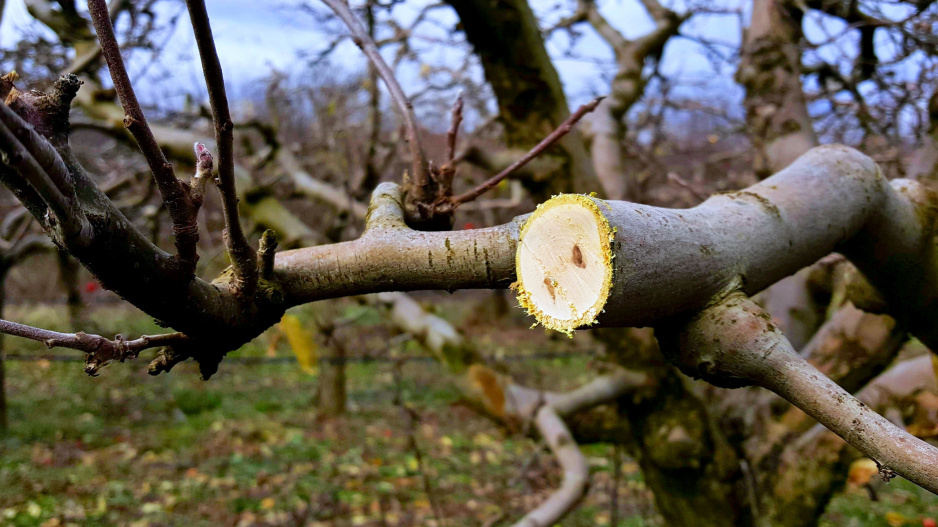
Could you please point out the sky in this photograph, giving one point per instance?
(254, 37)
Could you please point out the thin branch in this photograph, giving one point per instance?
(554, 136)
(681, 182)
(734, 343)
(370, 49)
(100, 350)
(243, 257)
(175, 195)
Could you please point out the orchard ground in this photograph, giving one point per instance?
(247, 448)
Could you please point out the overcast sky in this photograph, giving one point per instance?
(253, 36)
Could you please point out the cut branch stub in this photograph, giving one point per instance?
(581, 260)
(564, 262)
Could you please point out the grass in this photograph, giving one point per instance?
(246, 449)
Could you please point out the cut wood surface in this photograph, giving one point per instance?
(564, 261)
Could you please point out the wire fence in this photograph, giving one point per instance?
(361, 359)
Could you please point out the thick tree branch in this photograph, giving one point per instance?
(243, 256)
(639, 279)
(392, 257)
(19, 158)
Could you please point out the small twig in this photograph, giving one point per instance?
(554, 136)
(370, 49)
(266, 252)
(100, 350)
(203, 173)
(453, 133)
(679, 181)
(243, 256)
(175, 195)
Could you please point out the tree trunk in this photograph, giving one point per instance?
(687, 462)
(531, 102)
(770, 70)
(924, 165)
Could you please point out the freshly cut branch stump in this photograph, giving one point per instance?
(564, 262)
(582, 261)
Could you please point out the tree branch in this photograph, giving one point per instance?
(243, 256)
(575, 471)
(885, 228)
(175, 195)
(733, 343)
(554, 136)
(392, 257)
(20, 159)
(100, 350)
(404, 107)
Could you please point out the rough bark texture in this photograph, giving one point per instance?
(506, 37)
(686, 459)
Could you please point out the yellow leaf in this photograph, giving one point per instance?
(267, 503)
(301, 341)
(861, 471)
(894, 519)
